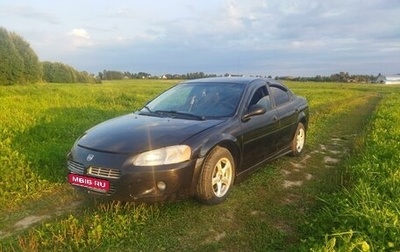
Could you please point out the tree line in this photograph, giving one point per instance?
(337, 77)
(19, 64)
(56, 72)
(119, 75)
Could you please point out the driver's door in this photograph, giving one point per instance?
(259, 132)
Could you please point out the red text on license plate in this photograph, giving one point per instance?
(89, 182)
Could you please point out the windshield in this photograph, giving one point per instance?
(197, 100)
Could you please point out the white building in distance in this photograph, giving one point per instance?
(392, 79)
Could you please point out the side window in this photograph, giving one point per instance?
(280, 95)
(261, 97)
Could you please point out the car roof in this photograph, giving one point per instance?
(238, 80)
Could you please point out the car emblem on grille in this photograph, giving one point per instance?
(89, 157)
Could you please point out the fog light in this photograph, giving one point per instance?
(161, 185)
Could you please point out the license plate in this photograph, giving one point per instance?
(89, 182)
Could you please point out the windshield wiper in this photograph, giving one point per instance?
(148, 112)
(175, 113)
(148, 109)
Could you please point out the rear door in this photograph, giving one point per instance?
(287, 114)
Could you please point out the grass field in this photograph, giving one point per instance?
(347, 204)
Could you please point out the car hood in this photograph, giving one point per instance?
(135, 133)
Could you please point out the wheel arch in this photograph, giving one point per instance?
(226, 141)
(303, 118)
(233, 149)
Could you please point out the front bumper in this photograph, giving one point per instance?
(127, 182)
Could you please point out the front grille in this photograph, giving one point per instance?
(75, 167)
(99, 172)
(104, 172)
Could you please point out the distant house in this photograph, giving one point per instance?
(393, 79)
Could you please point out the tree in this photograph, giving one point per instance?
(32, 69)
(57, 72)
(112, 75)
(11, 63)
(19, 64)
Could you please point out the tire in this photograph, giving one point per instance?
(217, 177)
(299, 140)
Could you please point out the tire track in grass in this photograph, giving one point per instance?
(319, 167)
(58, 203)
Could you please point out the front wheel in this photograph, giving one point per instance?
(216, 177)
(299, 140)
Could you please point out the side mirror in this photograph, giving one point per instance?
(254, 110)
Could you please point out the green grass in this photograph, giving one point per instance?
(39, 124)
(365, 214)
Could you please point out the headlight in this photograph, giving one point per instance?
(168, 155)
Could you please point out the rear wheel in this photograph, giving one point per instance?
(299, 140)
(216, 177)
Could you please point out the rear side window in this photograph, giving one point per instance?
(280, 94)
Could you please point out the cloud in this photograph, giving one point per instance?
(80, 38)
(31, 13)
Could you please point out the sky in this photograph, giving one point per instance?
(249, 37)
